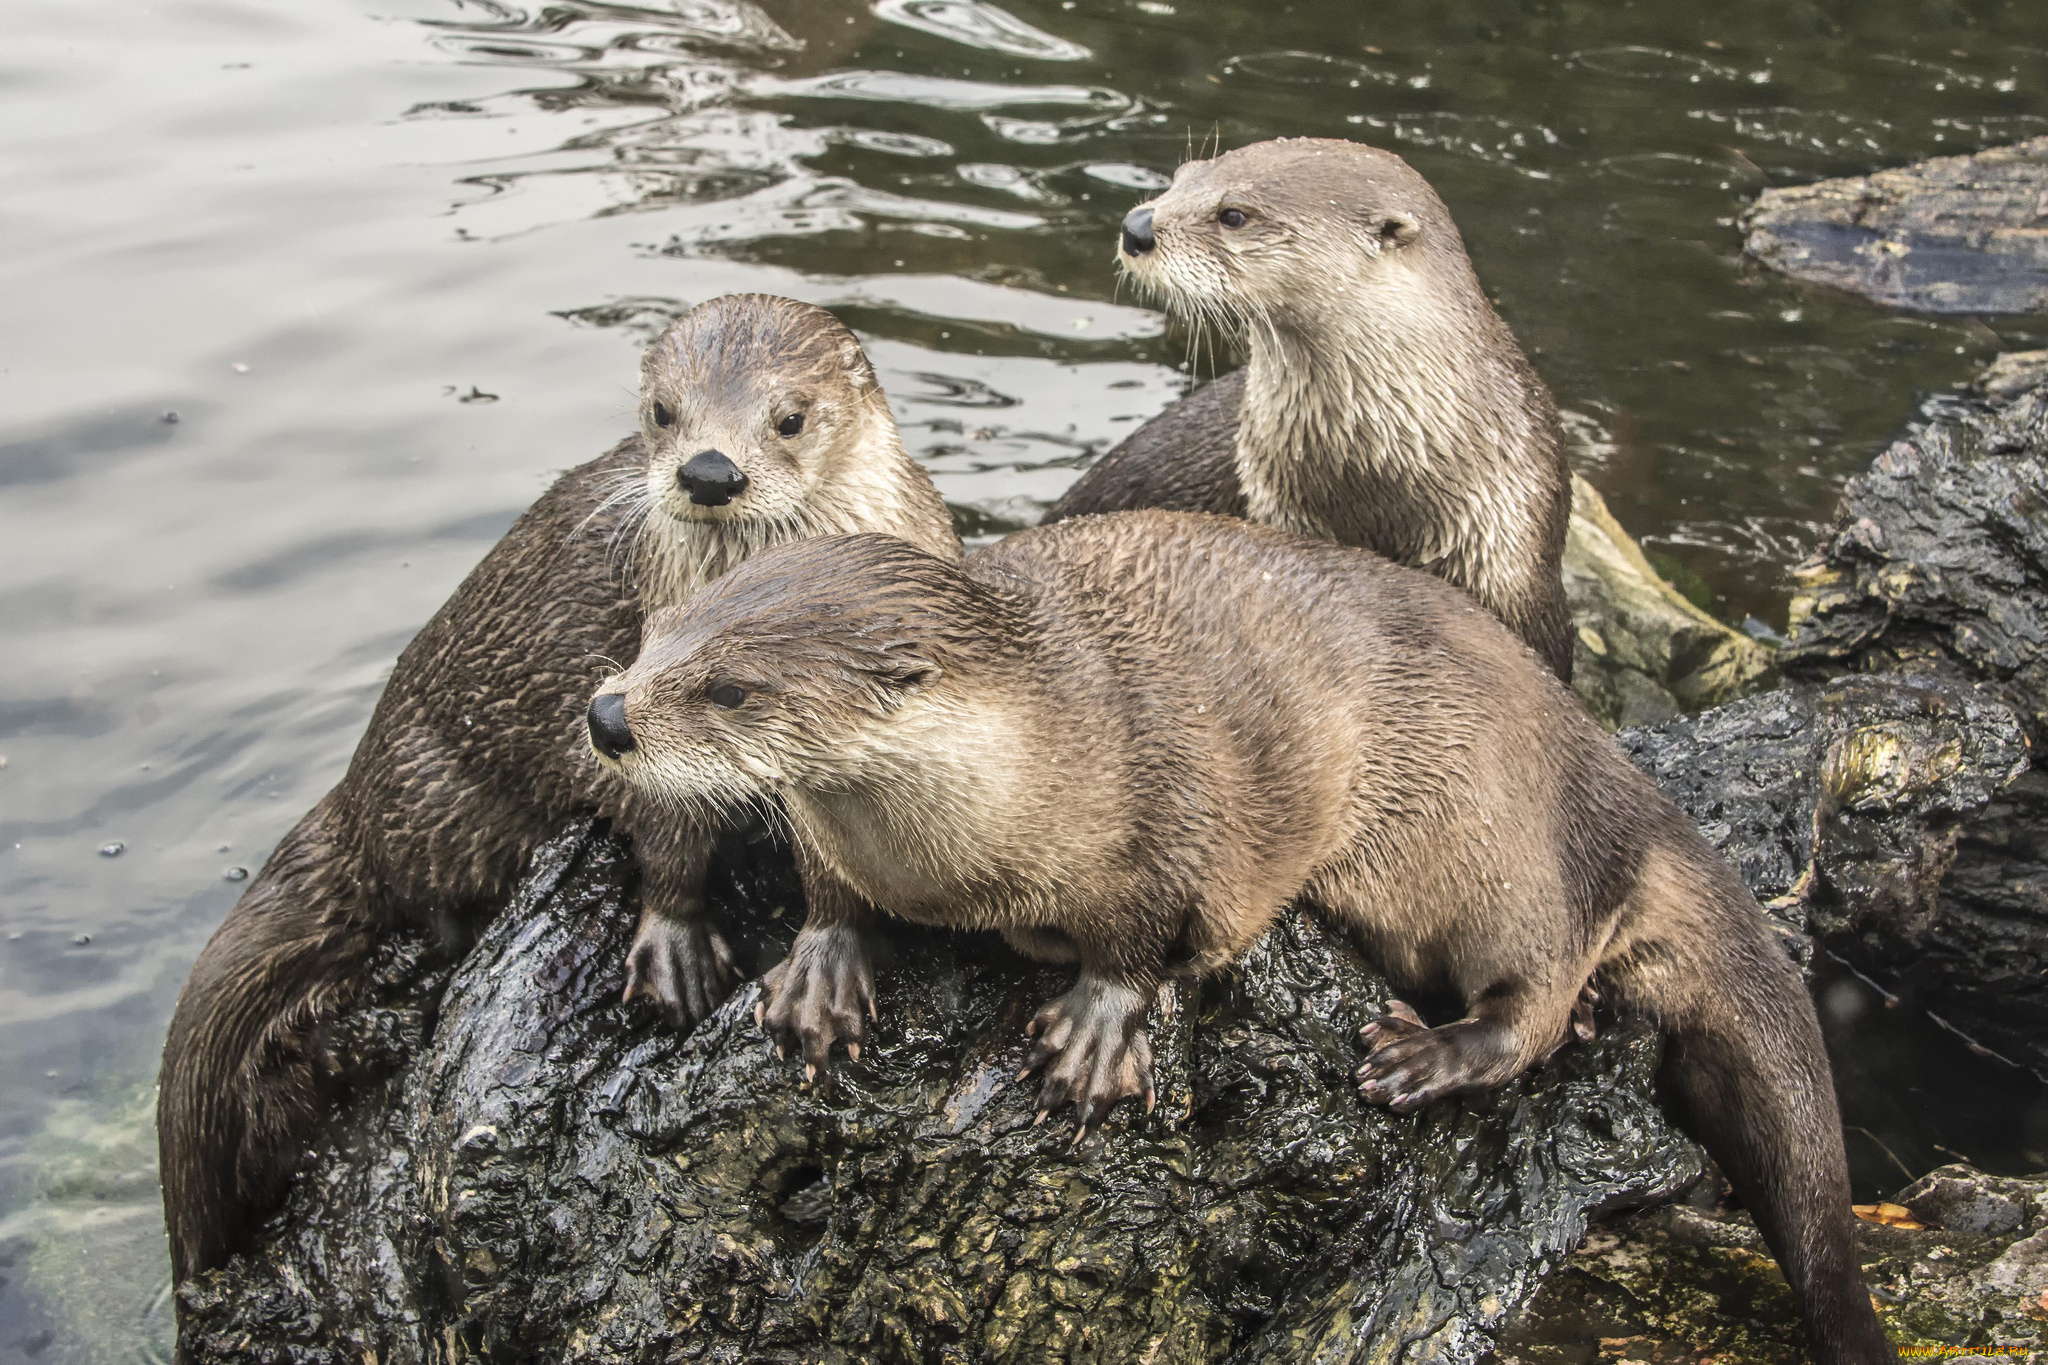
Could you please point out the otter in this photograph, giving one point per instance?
(1383, 402)
(1129, 741)
(761, 422)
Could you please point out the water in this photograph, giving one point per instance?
(390, 263)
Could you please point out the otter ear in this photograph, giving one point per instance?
(908, 673)
(855, 362)
(1395, 230)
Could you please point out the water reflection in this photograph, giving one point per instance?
(377, 211)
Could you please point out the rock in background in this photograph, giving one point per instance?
(1644, 652)
(1959, 234)
(1939, 565)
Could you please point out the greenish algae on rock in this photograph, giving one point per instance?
(1683, 1284)
(1938, 565)
(1644, 653)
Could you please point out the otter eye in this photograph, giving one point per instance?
(790, 425)
(728, 695)
(662, 416)
(1231, 218)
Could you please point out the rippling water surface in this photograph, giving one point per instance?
(305, 302)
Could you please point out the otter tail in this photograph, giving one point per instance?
(1746, 1068)
(242, 1082)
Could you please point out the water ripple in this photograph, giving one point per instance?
(1639, 63)
(933, 92)
(1308, 68)
(1502, 141)
(981, 25)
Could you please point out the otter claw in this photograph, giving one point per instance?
(1092, 1051)
(682, 966)
(813, 998)
(1413, 1067)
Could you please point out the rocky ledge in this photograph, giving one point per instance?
(543, 1173)
(1958, 234)
(1960, 1261)
(1938, 565)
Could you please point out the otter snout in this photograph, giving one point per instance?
(711, 480)
(1138, 232)
(609, 733)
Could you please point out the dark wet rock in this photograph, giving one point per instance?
(1958, 234)
(554, 1176)
(1938, 565)
(1841, 805)
(1683, 1284)
(544, 1173)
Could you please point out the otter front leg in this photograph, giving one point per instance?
(678, 960)
(1094, 1050)
(816, 996)
(1412, 1065)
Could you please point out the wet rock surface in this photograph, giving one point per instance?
(552, 1175)
(544, 1173)
(1938, 565)
(1960, 234)
(1967, 1269)
(1644, 652)
(1841, 805)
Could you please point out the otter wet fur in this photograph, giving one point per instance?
(1383, 402)
(1130, 741)
(761, 422)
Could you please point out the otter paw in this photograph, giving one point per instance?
(816, 995)
(1400, 1021)
(1583, 1027)
(1094, 1051)
(1412, 1066)
(684, 966)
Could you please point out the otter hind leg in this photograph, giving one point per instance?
(1510, 1028)
(1093, 1050)
(243, 1086)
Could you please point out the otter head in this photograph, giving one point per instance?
(1279, 230)
(748, 403)
(800, 667)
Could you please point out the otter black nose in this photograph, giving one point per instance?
(1138, 232)
(608, 731)
(711, 479)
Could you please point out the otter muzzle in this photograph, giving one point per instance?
(609, 733)
(711, 478)
(1138, 232)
